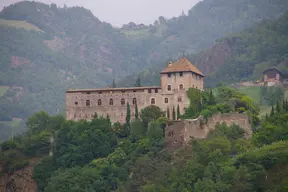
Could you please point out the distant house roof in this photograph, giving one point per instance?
(112, 89)
(182, 65)
(281, 72)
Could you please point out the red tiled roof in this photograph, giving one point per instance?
(182, 65)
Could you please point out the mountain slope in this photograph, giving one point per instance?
(240, 56)
(73, 49)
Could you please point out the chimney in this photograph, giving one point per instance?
(170, 64)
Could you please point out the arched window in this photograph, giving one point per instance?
(166, 100)
(134, 101)
(122, 101)
(87, 103)
(169, 87)
(179, 99)
(152, 101)
(99, 102)
(181, 87)
(111, 102)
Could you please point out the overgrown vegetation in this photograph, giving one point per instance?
(99, 156)
(76, 50)
(226, 100)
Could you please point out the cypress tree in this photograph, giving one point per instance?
(286, 107)
(108, 118)
(211, 98)
(136, 111)
(272, 112)
(266, 117)
(138, 82)
(168, 113)
(128, 114)
(174, 114)
(178, 112)
(283, 105)
(278, 108)
(113, 84)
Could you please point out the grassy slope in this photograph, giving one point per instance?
(254, 93)
(19, 24)
(3, 90)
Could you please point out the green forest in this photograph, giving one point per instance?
(46, 49)
(247, 54)
(99, 156)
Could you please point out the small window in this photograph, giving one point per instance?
(181, 86)
(75, 115)
(169, 74)
(170, 133)
(87, 103)
(152, 101)
(156, 90)
(111, 102)
(181, 74)
(99, 102)
(166, 100)
(134, 91)
(122, 101)
(149, 90)
(134, 101)
(88, 93)
(100, 92)
(179, 99)
(169, 87)
(176, 141)
(76, 103)
(123, 91)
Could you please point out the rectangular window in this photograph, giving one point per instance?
(181, 74)
(156, 90)
(76, 103)
(166, 100)
(169, 74)
(149, 90)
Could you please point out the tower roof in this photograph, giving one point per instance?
(182, 65)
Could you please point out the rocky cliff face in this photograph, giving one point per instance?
(19, 181)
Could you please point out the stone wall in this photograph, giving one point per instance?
(99, 102)
(181, 133)
(19, 181)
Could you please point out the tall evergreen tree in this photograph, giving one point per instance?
(113, 84)
(136, 111)
(283, 105)
(168, 113)
(138, 82)
(108, 118)
(173, 113)
(212, 100)
(278, 108)
(266, 117)
(272, 112)
(128, 114)
(178, 112)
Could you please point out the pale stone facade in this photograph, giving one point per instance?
(176, 79)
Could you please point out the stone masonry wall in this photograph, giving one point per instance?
(182, 132)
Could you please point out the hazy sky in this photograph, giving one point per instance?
(118, 12)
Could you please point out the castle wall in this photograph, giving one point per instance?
(76, 108)
(193, 128)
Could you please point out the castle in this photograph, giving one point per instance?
(176, 79)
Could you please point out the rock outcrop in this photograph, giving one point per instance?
(19, 181)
